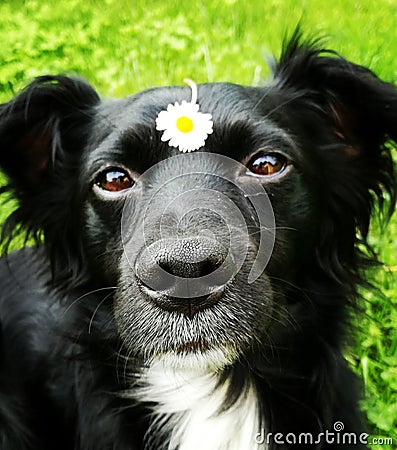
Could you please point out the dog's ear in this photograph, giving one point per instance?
(357, 114)
(43, 131)
(363, 107)
(44, 120)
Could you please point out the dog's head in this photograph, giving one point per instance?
(212, 252)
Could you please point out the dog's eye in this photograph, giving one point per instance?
(114, 180)
(267, 164)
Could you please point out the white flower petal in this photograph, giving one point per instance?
(186, 141)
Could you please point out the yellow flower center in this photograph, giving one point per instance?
(184, 124)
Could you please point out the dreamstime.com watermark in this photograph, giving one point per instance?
(336, 436)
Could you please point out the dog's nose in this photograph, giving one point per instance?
(184, 274)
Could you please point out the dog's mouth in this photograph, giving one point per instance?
(187, 306)
(199, 346)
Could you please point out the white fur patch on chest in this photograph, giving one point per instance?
(188, 411)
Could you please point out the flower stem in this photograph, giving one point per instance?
(193, 87)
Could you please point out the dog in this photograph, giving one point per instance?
(188, 291)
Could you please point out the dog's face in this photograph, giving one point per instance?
(179, 234)
(210, 253)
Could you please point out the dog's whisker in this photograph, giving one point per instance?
(86, 294)
(262, 229)
(96, 310)
(261, 100)
(282, 104)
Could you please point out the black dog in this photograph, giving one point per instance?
(130, 323)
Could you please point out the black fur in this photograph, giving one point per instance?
(65, 359)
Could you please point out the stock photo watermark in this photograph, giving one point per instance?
(335, 436)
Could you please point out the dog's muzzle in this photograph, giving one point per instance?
(185, 232)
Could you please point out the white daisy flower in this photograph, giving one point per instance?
(184, 126)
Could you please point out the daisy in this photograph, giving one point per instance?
(184, 126)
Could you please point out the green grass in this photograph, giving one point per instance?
(124, 46)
